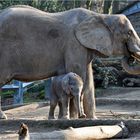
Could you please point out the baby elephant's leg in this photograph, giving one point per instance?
(53, 104)
(65, 107)
(60, 110)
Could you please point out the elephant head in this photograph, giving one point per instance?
(110, 35)
(72, 84)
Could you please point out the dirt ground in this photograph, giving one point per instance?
(114, 103)
(123, 103)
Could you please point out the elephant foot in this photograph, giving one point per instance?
(51, 118)
(2, 115)
(82, 116)
(60, 116)
(65, 117)
(95, 117)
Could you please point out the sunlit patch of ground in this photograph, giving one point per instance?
(124, 105)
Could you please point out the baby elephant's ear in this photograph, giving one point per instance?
(93, 34)
(65, 84)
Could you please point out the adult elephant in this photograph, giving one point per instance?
(36, 45)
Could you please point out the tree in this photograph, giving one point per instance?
(115, 6)
(107, 5)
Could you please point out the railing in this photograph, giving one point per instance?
(21, 87)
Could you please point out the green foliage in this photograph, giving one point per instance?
(71, 4)
(8, 92)
(28, 99)
(34, 97)
(51, 5)
(45, 5)
(106, 76)
(7, 3)
(36, 87)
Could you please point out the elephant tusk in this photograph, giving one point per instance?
(138, 54)
(138, 59)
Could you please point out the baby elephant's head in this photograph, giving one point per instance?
(72, 84)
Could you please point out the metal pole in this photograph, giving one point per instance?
(21, 92)
(18, 95)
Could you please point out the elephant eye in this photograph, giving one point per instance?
(72, 88)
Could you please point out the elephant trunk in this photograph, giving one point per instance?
(134, 46)
(78, 105)
(128, 68)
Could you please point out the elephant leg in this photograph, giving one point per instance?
(65, 107)
(2, 114)
(81, 64)
(73, 110)
(3, 82)
(89, 94)
(53, 104)
(60, 111)
(83, 115)
(5, 75)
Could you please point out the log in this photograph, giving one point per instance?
(83, 133)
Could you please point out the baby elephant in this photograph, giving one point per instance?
(63, 89)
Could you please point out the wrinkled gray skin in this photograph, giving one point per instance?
(63, 89)
(36, 45)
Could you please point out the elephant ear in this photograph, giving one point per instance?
(94, 34)
(65, 84)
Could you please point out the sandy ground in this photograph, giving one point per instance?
(109, 105)
(123, 105)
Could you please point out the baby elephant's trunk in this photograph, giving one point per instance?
(79, 107)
